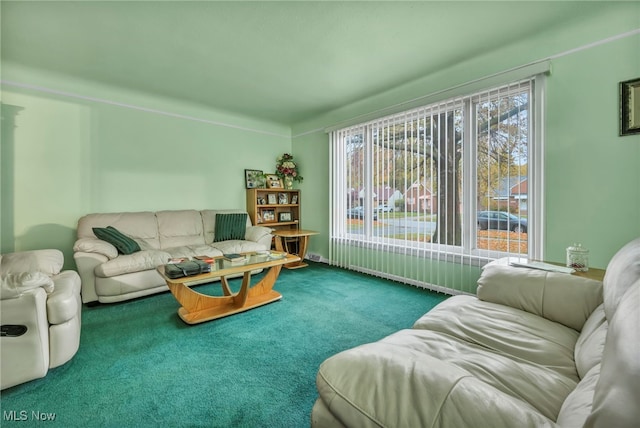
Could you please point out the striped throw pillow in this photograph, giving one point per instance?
(122, 242)
(230, 226)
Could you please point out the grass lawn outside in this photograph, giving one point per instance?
(494, 240)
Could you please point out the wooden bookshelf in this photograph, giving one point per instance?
(275, 208)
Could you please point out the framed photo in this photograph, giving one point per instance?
(261, 201)
(285, 216)
(268, 215)
(253, 178)
(283, 198)
(630, 107)
(273, 199)
(274, 182)
(294, 199)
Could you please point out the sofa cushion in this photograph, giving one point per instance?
(141, 226)
(188, 251)
(179, 228)
(577, 406)
(617, 394)
(230, 226)
(129, 263)
(504, 331)
(622, 271)
(237, 246)
(590, 344)
(113, 236)
(416, 378)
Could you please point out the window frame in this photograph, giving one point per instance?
(468, 249)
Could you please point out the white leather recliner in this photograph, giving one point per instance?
(40, 314)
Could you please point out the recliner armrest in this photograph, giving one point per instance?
(559, 297)
(63, 302)
(13, 285)
(48, 261)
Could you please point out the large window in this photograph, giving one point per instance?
(456, 177)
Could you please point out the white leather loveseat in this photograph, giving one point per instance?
(40, 313)
(533, 349)
(109, 276)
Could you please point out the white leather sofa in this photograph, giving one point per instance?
(533, 349)
(108, 276)
(40, 313)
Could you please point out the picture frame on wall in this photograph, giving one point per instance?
(253, 179)
(285, 216)
(630, 107)
(274, 182)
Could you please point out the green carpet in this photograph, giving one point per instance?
(139, 365)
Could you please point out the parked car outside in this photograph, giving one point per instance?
(358, 212)
(500, 220)
(384, 208)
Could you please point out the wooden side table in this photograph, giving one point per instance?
(303, 240)
(592, 273)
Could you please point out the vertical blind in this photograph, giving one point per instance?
(427, 196)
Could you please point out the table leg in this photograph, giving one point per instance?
(225, 286)
(197, 307)
(302, 249)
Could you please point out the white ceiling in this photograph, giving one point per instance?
(277, 61)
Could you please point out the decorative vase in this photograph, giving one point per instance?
(578, 258)
(288, 182)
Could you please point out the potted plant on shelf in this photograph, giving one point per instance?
(287, 170)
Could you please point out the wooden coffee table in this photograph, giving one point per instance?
(197, 307)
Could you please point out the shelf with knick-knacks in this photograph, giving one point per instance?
(275, 208)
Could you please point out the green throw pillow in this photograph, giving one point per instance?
(123, 243)
(230, 226)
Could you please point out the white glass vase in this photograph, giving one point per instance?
(288, 182)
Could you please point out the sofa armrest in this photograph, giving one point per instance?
(257, 233)
(559, 297)
(86, 264)
(95, 245)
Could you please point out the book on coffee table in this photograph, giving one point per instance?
(174, 260)
(207, 259)
(234, 258)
